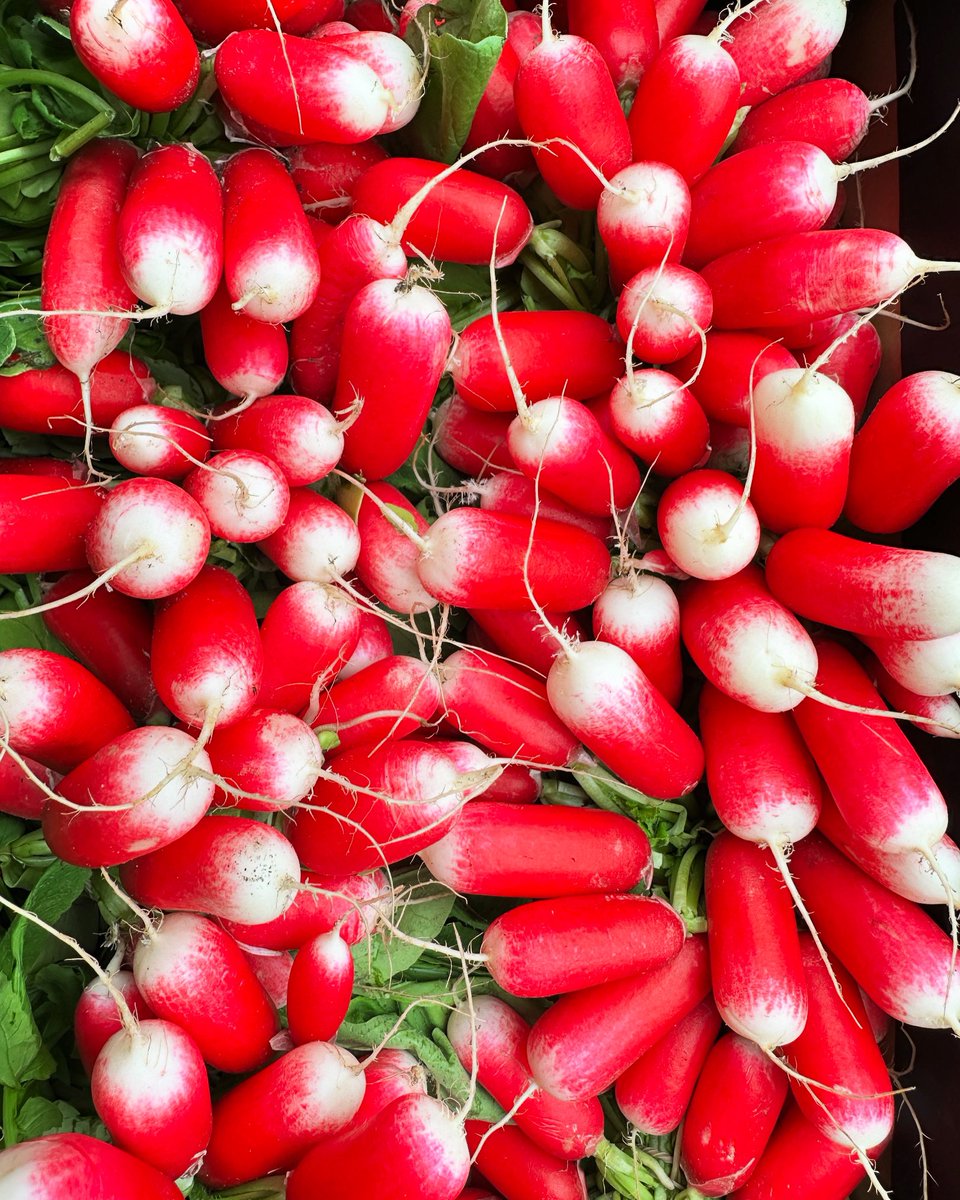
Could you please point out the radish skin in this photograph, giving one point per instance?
(319, 989)
(520, 1168)
(640, 614)
(58, 1164)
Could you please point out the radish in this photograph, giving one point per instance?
(851, 358)
(317, 542)
(272, 969)
(654, 1093)
(723, 380)
(507, 492)
(24, 786)
(212, 20)
(192, 973)
(325, 174)
(149, 58)
(525, 637)
(938, 716)
(495, 118)
(164, 443)
(170, 235)
(272, 758)
(676, 17)
(270, 262)
(409, 326)
(129, 798)
(47, 1168)
(625, 34)
(247, 357)
(149, 1086)
(391, 60)
(466, 218)
(656, 417)
(589, 1038)
(930, 667)
(299, 435)
(309, 631)
(236, 868)
(615, 935)
(471, 441)
(707, 525)
(732, 1114)
(492, 1039)
(316, 92)
(642, 217)
(244, 495)
(498, 849)
(415, 1146)
(640, 614)
(603, 697)
(387, 700)
(55, 710)
(387, 565)
(50, 401)
(150, 536)
(268, 1122)
(520, 1168)
(320, 988)
(96, 1017)
(880, 591)
(665, 309)
(43, 522)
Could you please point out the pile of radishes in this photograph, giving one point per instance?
(626, 554)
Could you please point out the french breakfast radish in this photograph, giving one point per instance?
(301, 436)
(96, 1017)
(642, 218)
(165, 443)
(387, 565)
(625, 34)
(319, 989)
(851, 356)
(50, 400)
(929, 666)
(470, 440)
(390, 59)
(525, 637)
(521, 1169)
(212, 20)
(317, 542)
(244, 495)
(664, 308)
(387, 700)
(44, 521)
(734, 364)
(640, 614)
(245, 356)
(270, 756)
(656, 417)
(706, 525)
(325, 174)
(58, 1164)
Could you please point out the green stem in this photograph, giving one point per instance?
(11, 1134)
(21, 171)
(549, 281)
(71, 142)
(184, 117)
(23, 153)
(14, 76)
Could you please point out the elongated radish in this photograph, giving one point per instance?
(666, 307)
(44, 522)
(300, 435)
(212, 20)
(677, 17)
(640, 614)
(58, 1164)
(390, 699)
(507, 492)
(706, 526)
(236, 868)
(320, 988)
(273, 757)
(180, 970)
(616, 936)
(268, 1122)
(732, 1114)
(50, 400)
(161, 442)
(625, 34)
(387, 565)
(589, 1038)
(930, 667)
(149, 1086)
(519, 1168)
(881, 591)
(525, 638)
(244, 495)
(393, 63)
(317, 542)
(851, 357)
(654, 1093)
(734, 364)
(937, 716)
(657, 417)
(602, 696)
(498, 849)
(96, 1017)
(495, 1036)
(643, 217)
(248, 357)
(55, 710)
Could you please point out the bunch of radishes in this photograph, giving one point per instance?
(249, 779)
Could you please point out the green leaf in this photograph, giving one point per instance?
(39, 1116)
(23, 1055)
(27, 946)
(388, 955)
(28, 632)
(464, 39)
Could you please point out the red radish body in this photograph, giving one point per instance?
(212, 20)
(570, 354)
(325, 174)
(464, 219)
(838, 1050)
(799, 1161)
(894, 950)
(20, 795)
(506, 492)
(309, 630)
(344, 900)
(393, 63)
(317, 92)
(55, 710)
(206, 654)
(149, 59)
(922, 709)
(625, 34)
(49, 401)
(640, 614)
(236, 868)
(387, 565)
(471, 441)
(150, 440)
(397, 799)
(755, 963)
(273, 972)
(320, 987)
(81, 269)
(732, 1114)
(496, 117)
(244, 495)
(706, 527)
(894, 806)
(43, 522)
(615, 936)
(414, 1147)
(270, 755)
(762, 780)
(685, 105)
(96, 1018)
(389, 699)
(654, 1093)
(656, 417)
(171, 229)
(880, 591)
(373, 644)
(520, 1168)
(560, 442)
(677, 17)
(268, 1122)
(496, 1035)
(317, 543)
(589, 1038)
(734, 363)
(247, 357)
(411, 329)
(523, 637)
(499, 849)
(545, 562)
(160, 524)
(300, 435)
(830, 113)
(270, 261)
(666, 307)
(179, 970)
(853, 362)
(59, 1164)
(602, 696)
(149, 1087)
(127, 770)
(563, 90)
